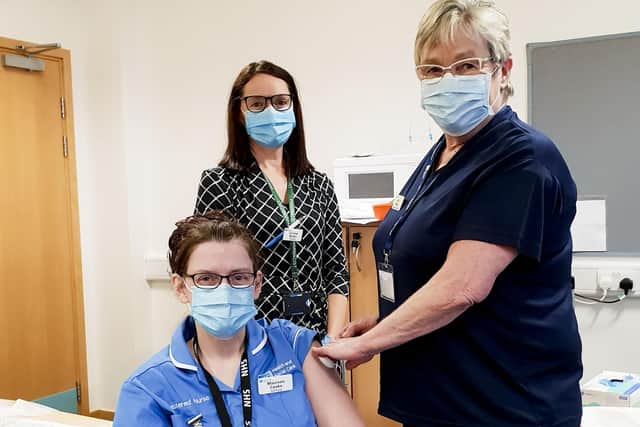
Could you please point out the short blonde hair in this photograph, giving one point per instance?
(482, 17)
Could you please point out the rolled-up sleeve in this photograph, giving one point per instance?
(299, 337)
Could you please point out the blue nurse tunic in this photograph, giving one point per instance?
(171, 389)
(515, 358)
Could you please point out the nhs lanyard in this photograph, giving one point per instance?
(290, 219)
(245, 385)
(423, 188)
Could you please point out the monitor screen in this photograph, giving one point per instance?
(371, 185)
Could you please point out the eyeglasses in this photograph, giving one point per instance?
(239, 280)
(463, 67)
(256, 104)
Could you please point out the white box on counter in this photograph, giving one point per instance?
(610, 388)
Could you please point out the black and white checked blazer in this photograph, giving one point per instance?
(320, 254)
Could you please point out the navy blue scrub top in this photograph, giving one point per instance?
(515, 358)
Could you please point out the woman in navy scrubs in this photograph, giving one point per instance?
(476, 326)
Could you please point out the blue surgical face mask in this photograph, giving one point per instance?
(458, 104)
(270, 128)
(222, 311)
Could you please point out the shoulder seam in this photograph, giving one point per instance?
(136, 375)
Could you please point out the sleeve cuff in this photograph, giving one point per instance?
(528, 249)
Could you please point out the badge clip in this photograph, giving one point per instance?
(397, 203)
(195, 421)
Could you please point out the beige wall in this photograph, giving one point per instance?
(114, 327)
(151, 80)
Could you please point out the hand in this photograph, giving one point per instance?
(358, 327)
(352, 350)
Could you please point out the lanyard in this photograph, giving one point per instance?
(245, 386)
(423, 188)
(290, 219)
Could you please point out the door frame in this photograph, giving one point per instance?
(64, 58)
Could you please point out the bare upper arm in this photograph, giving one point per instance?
(331, 404)
(476, 265)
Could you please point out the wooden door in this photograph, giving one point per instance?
(365, 379)
(42, 342)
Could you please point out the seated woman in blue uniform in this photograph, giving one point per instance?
(223, 367)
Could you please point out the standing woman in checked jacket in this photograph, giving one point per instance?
(266, 181)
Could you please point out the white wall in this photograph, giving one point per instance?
(151, 80)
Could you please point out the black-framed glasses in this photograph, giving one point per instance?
(256, 103)
(238, 280)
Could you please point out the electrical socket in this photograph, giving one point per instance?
(594, 274)
(609, 279)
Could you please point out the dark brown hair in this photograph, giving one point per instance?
(214, 225)
(238, 154)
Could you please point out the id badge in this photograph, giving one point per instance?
(275, 384)
(385, 280)
(397, 203)
(297, 304)
(292, 234)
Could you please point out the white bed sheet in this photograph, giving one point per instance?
(21, 413)
(605, 416)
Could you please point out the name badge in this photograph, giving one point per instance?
(396, 205)
(385, 278)
(292, 234)
(275, 384)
